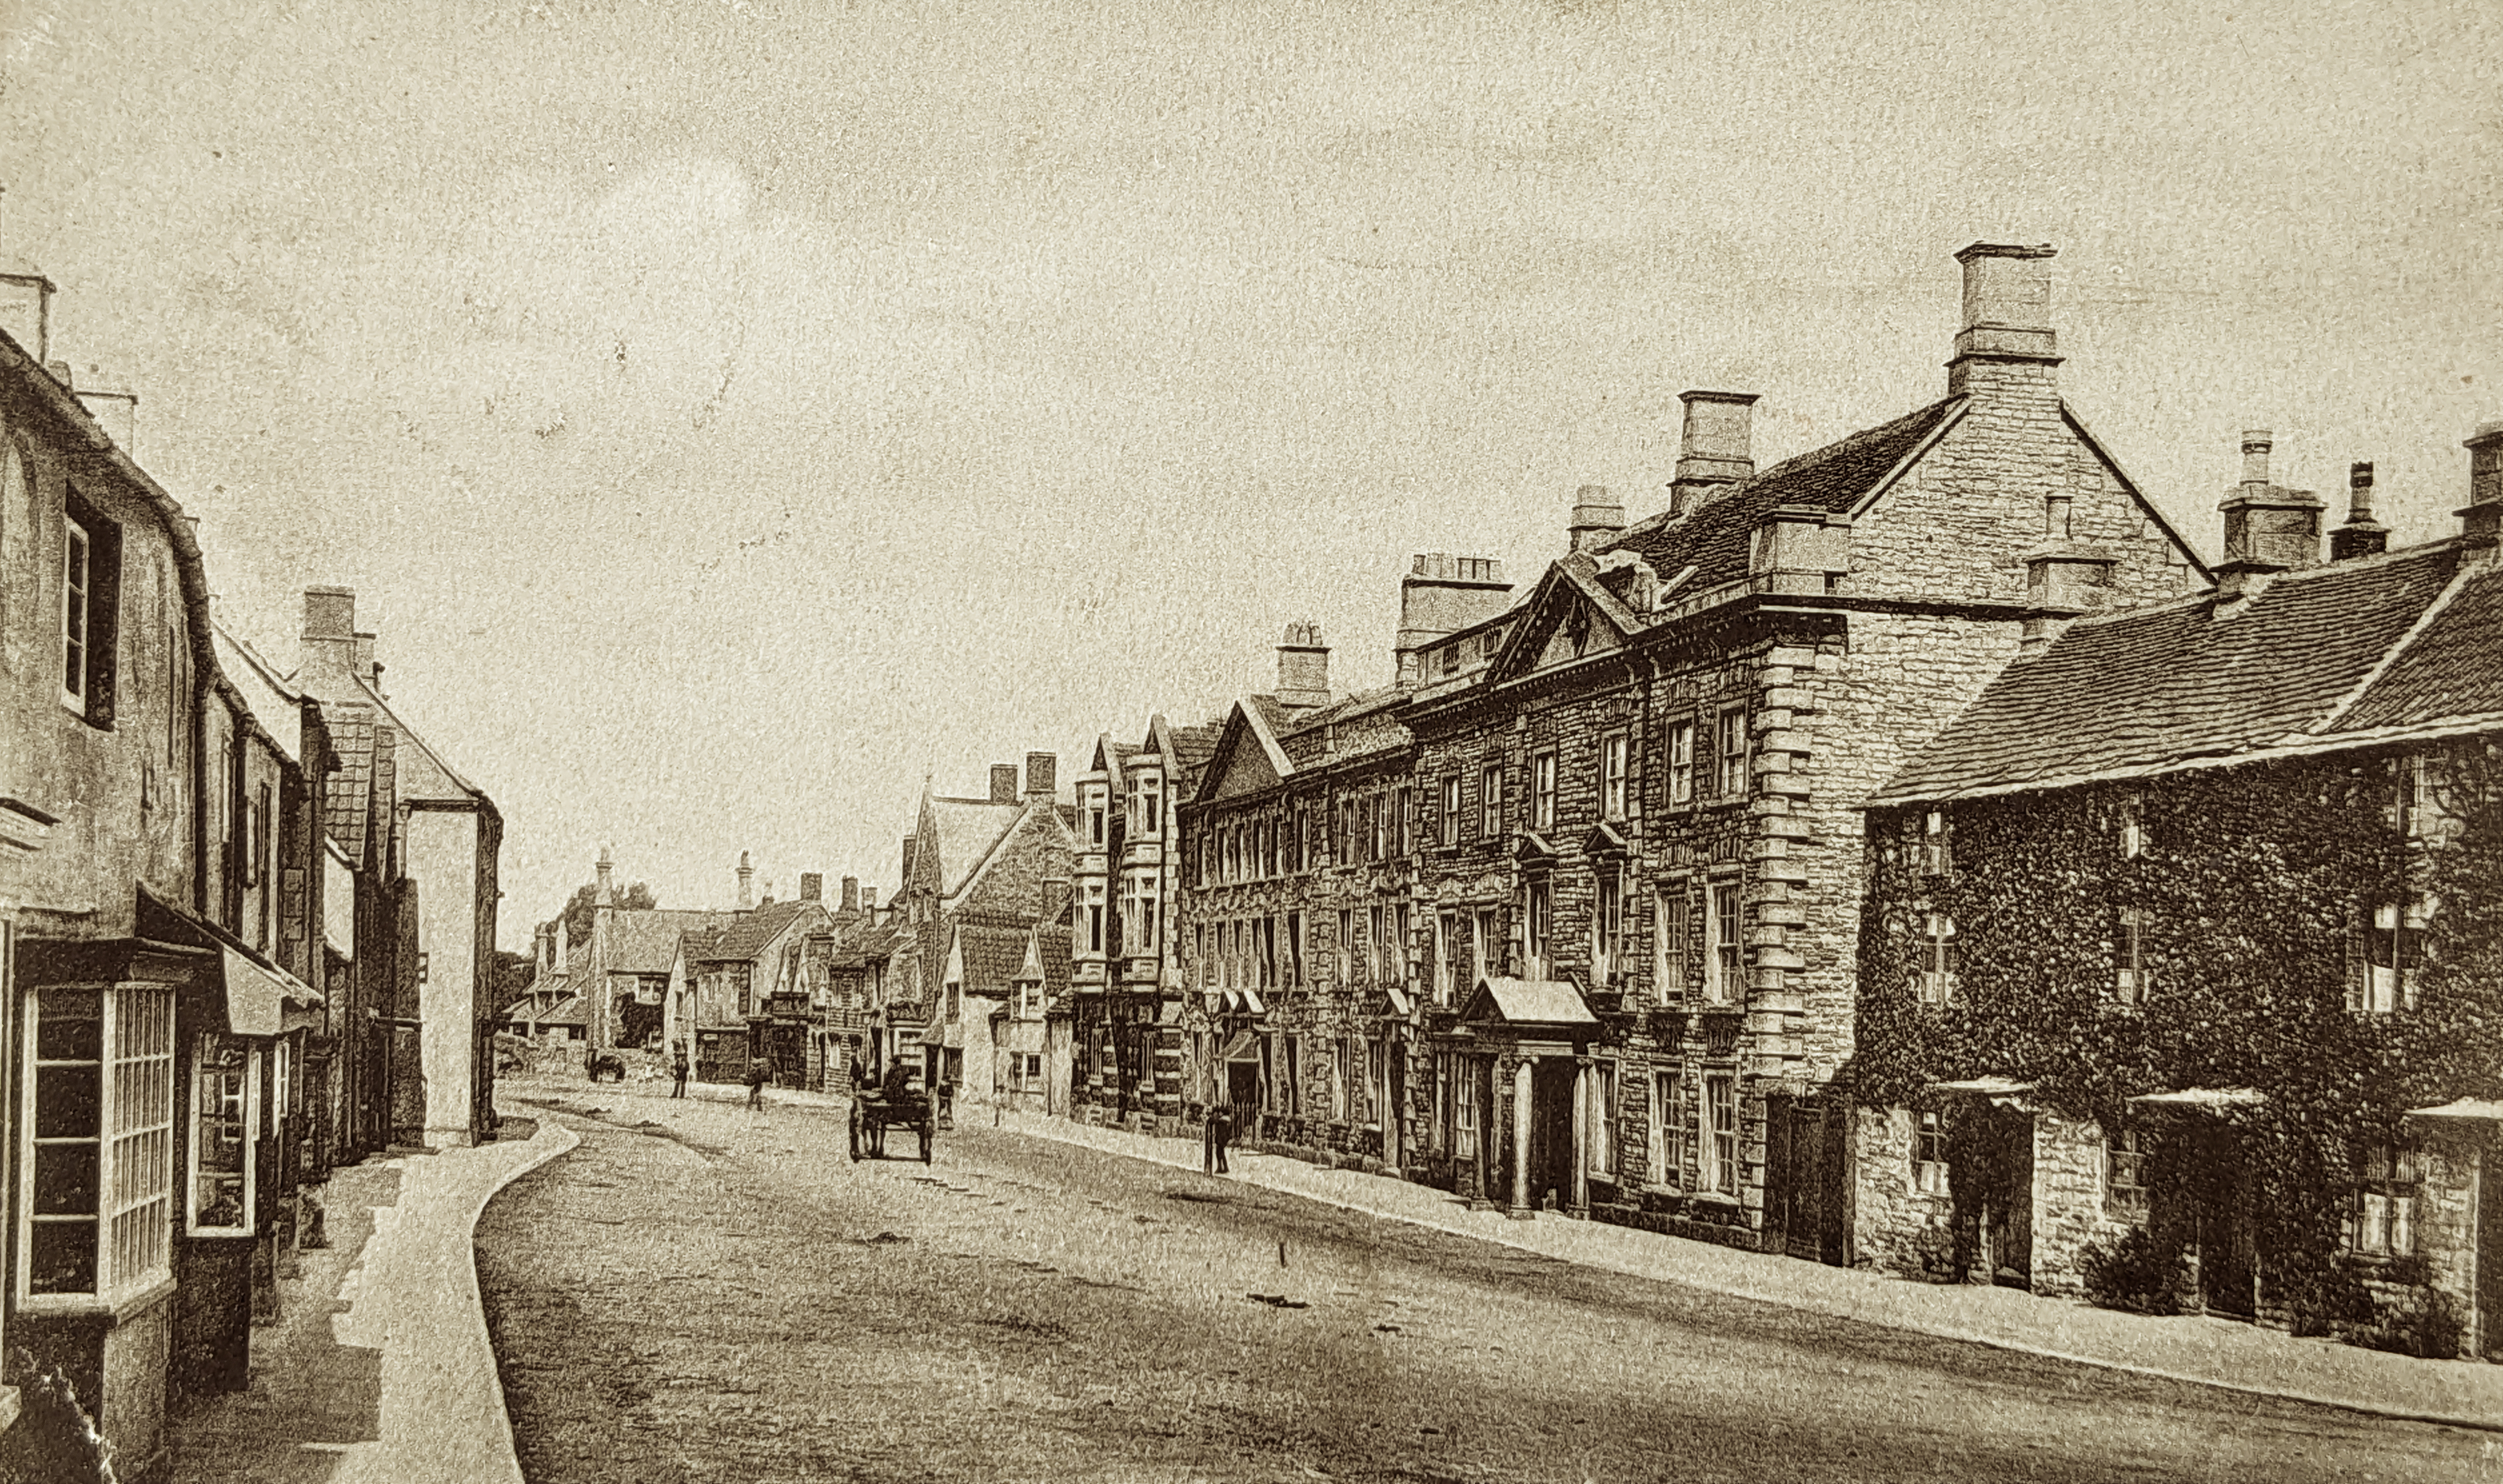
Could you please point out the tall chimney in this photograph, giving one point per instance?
(564, 948)
(1443, 594)
(604, 895)
(118, 414)
(1303, 668)
(746, 883)
(2481, 520)
(26, 308)
(2269, 529)
(868, 901)
(329, 653)
(1597, 515)
(2006, 343)
(812, 885)
(2361, 535)
(1042, 777)
(851, 894)
(1715, 449)
(1004, 783)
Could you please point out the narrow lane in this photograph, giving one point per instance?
(703, 1293)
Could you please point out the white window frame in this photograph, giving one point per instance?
(1939, 966)
(2397, 936)
(1724, 955)
(1482, 944)
(1607, 923)
(1614, 775)
(1490, 799)
(1602, 1120)
(1681, 762)
(2125, 1150)
(251, 1114)
(1929, 1138)
(1449, 826)
(2382, 1203)
(1672, 921)
(77, 612)
(1936, 849)
(1537, 923)
(1729, 753)
(1716, 1147)
(1668, 1129)
(2131, 977)
(1542, 790)
(138, 1159)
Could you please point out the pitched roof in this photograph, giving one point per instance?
(991, 956)
(967, 831)
(1192, 747)
(745, 934)
(1353, 726)
(1713, 538)
(1528, 1002)
(2316, 657)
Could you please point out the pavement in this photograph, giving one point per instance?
(2205, 1350)
(378, 1370)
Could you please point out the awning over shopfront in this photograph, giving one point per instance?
(1999, 1092)
(258, 995)
(1241, 1046)
(2205, 1099)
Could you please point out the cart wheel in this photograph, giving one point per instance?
(929, 1134)
(856, 1149)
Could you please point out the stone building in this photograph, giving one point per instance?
(621, 973)
(1637, 791)
(2188, 925)
(1125, 1001)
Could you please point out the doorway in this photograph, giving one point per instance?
(1992, 1180)
(2221, 1227)
(1551, 1130)
(2490, 1252)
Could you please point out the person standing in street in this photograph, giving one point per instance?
(758, 1073)
(1221, 1130)
(678, 1067)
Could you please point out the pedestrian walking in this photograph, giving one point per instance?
(758, 1074)
(1220, 1131)
(679, 1065)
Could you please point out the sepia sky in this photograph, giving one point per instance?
(728, 412)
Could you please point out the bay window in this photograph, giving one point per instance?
(97, 1163)
(224, 1118)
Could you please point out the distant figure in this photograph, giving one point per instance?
(758, 1074)
(679, 1067)
(860, 1074)
(899, 1082)
(1213, 1142)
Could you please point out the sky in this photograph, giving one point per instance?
(732, 415)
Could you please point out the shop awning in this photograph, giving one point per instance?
(1241, 1046)
(2206, 1098)
(257, 998)
(1984, 1087)
(2466, 1110)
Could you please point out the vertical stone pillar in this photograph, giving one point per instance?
(1580, 1136)
(1520, 1209)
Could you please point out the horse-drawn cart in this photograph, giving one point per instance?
(875, 1112)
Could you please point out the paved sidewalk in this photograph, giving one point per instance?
(391, 1382)
(2213, 1352)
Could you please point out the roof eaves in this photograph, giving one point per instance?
(1953, 415)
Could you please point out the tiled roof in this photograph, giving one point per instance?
(1192, 747)
(2454, 667)
(2136, 693)
(1714, 538)
(992, 956)
(749, 933)
(643, 940)
(568, 1011)
(1353, 726)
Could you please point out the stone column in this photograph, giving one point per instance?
(1581, 1187)
(1520, 1209)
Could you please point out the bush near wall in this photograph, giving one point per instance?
(2255, 881)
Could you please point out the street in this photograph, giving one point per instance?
(700, 1293)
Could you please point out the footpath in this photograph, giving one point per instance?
(2207, 1351)
(378, 1370)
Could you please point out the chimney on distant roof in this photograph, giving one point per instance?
(1004, 783)
(329, 653)
(564, 948)
(2361, 535)
(2269, 529)
(1042, 777)
(2481, 520)
(868, 901)
(851, 899)
(2007, 344)
(1303, 668)
(1715, 448)
(117, 413)
(746, 883)
(1597, 515)
(604, 894)
(1443, 594)
(26, 308)
(812, 885)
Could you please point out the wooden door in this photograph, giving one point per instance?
(1551, 1130)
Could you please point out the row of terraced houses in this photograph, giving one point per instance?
(1912, 854)
(246, 923)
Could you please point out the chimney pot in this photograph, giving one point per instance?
(2361, 535)
(2482, 518)
(812, 885)
(1004, 783)
(2256, 444)
(868, 901)
(1303, 668)
(2269, 529)
(851, 899)
(746, 883)
(1715, 448)
(604, 895)
(26, 311)
(1041, 776)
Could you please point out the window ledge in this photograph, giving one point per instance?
(1715, 1198)
(89, 1306)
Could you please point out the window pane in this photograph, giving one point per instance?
(69, 1025)
(65, 1180)
(67, 1104)
(61, 1257)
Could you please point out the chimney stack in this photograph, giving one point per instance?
(2006, 343)
(2481, 520)
(564, 948)
(2361, 535)
(812, 885)
(26, 310)
(1443, 594)
(746, 883)
(118, 414)
(868, 901)
(1042, 777)
(851, 894)
(2269, 529)
(1004, 783)
(1303, 668)
(1597, 515)
(329, 653)
(604, 895)
(1715, 448)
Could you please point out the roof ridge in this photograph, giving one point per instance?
(2459, 578)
